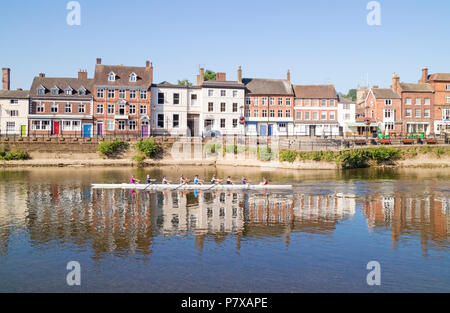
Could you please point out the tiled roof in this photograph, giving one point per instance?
(16, 94)
(385, 93)
(315, 91)
(123, 73)
(416, 87)
(62, 83)
(346, 100)
(440, 77)
(262, 86)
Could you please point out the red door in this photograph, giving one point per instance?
(56, 128)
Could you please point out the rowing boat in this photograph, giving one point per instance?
(190, 187)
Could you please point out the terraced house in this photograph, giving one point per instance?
(222, 105)
(417, 100)
(122, 100)
(61, 106)
(269, 106)
(316, 110)
(383, 107)
(176, 109)
(14, 106)
(440, 82)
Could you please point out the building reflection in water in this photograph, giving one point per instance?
(410, 216)
(126, 222)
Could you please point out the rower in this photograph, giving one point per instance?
(264, 182)
(197, 181)
(133, 180)
(215, 180)
(165, 181)
(149, 180)
(229, 182)
(244, 181)
(183, 181)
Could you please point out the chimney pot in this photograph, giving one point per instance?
(6, 78)
(289, 75)
(99, 61)
(147, 63)
(41, 74)
(82, 74)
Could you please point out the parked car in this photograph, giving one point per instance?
(212, 134)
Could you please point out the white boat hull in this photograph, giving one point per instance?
(190, 187)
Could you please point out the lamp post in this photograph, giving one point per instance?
(367, 122)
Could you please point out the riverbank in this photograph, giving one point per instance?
(151, 154)
(428, 160)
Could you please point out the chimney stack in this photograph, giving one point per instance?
(99, 61)
(424, 75)
(82, 75)
(151, 72)
(395, 82)
(221, 77)
(41, 75)
(201, 77)
(147, 63)
(239, 74)
(289, 76)
(6, 78)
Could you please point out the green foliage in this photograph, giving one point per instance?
(139, 158)
(383, 154)
(184, 82)
(288, 156)
(210, 75)
(212, 147)
(109, 148)
(14, 155)
(439, 151)
(148, 147)
(355, 158)
(264, 153)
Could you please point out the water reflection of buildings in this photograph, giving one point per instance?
(121, 221)
(408, 216)
(12, 212)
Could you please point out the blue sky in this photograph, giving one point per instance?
(320, 41)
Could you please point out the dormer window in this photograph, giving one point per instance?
(133, 77)
(82, 91)
(55, 90)
(111, 77)
(68, 91)
(41, 91)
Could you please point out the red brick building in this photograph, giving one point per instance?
(383, 106)
(61, 106)
(122, 100)
(417, 100)
(440, 82)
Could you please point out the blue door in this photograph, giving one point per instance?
(87, 130)
(263, 130)
(270, 132)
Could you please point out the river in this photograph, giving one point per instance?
(318, 237)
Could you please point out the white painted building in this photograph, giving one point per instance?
(14, 108)
(346, 115)
(176, 109)
(222, 107)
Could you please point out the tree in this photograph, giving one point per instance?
(352, 94)
(184, 82)
(210, 75)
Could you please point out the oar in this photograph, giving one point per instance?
(151, 180)
(178, 187)
(211, 187)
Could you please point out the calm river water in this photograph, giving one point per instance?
(317, 238)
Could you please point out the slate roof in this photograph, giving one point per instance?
(315, 92)
(144, 75)
(440, 77)
(62, 83)
(262, 86)
(222, 84)
(416, 87)
(385, 93)
(14, 94)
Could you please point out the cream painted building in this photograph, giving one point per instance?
(14, 108)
